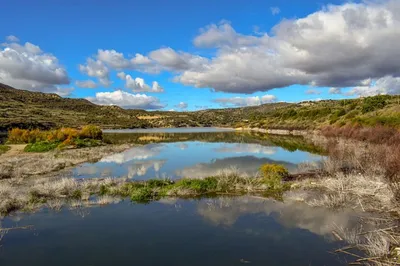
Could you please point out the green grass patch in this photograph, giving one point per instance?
(144, 195)
(270, 182)
(4, 148)
(208, 184)
(41, 146)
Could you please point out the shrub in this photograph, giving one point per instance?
(273, 175)
(208, 184)
(340, 112)
(143, 195)
(17, 135)
(373, 103)
(89, 136)
(4, 149)
(41, 146)
(91, 132)
(272, 170)
(352, 114)
(65, 134)
(158, 183)
(76, 194)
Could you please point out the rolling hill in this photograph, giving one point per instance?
(27, 109)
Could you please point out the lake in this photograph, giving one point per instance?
(196, 153)
(221, 232)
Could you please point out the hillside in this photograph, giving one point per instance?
(26, 109)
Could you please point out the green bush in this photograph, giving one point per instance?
(352, 114)
(41, 146)
(340, 112)
(143, 195)
(198, 185)
(268, 170)
(273, 175)
(4, 148)
(76, 194)
(91, 132)
(373, 103)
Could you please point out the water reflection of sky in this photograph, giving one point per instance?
(191, 159)
(223, 231)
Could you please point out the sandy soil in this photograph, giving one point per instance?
(15, 149)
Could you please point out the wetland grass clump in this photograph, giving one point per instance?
(41, 146)
(32, 194)
(270, 182)
(4, 148)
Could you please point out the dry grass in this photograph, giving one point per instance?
(151, 117)
(106, 200)
(65, 135)
(375, 135)
(377, 244)
(55, 204)
(31, 194)
(363, 175)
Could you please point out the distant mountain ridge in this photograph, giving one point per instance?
(27, 109)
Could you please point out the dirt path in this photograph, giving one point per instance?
(15, 149)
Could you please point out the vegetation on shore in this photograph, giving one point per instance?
(43, 141)
(361, 172)
(4, 148)
(33, 194)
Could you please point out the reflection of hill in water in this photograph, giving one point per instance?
(244, 164)
(289, 143)
(291, 214)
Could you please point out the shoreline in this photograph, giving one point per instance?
(352, 176)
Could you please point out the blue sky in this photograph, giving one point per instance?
(214, 45)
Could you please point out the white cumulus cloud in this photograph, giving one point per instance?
(246, 101)
(339, 46)
(12, 38)
(385, 85)
(139, 85)
(170, 59)
(182, 105)
(127, 100)
(28, 67)
(313, 91)
(96, 69)
(86, 84)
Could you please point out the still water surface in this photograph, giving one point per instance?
(221, 232)
(195, 153)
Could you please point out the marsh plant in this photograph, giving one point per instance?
(55, 192)
(362, 175)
